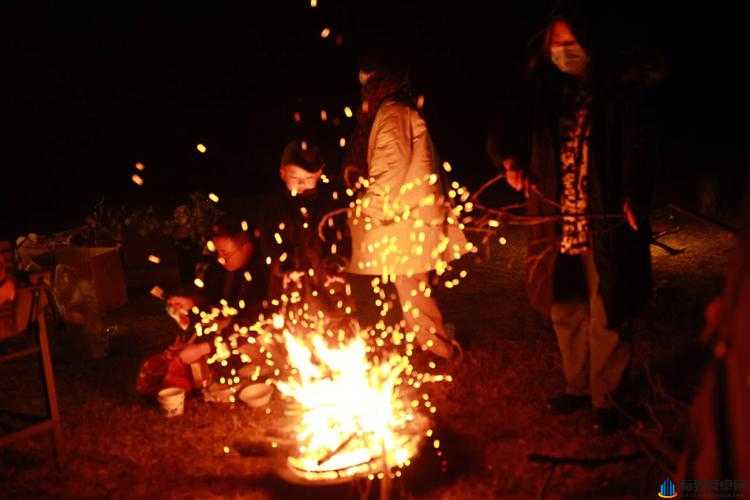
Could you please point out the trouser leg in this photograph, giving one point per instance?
(570, 320)
(421, 313)
(609, 355)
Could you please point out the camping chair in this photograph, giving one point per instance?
(29, 318)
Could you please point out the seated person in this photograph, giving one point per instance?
(240, 280)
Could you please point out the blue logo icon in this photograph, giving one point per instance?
(668, 489)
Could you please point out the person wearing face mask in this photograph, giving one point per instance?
(591, 155)
(398, 220)
(567, 55)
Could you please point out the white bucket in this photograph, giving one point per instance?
(172, 401)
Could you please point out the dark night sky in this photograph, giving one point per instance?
(89, 91)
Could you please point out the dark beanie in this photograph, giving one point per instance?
(302, 154)
(384, 61)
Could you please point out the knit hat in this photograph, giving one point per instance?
(385, 62)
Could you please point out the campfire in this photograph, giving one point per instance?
(354, 417)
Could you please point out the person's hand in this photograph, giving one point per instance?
(627, 211)
(515, 176)
(294, 277)
(332, 279)
(351, 175)
(181, 304)
(178, 308)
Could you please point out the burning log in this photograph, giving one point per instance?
(335, 451)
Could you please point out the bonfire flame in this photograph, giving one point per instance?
(353, 415)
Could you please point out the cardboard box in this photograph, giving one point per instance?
(15, 316)
(103, 267)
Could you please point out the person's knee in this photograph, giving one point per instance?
(569, 313)
(193, 352)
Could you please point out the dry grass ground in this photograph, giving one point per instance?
(490, 419)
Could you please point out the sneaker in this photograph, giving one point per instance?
(450, 350)
(445, 346)
(565, 404)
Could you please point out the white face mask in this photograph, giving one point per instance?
(570, 59)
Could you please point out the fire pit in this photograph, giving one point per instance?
(354, 417)
(359, 462)
(355, 406)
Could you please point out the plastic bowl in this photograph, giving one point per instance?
(256, 395)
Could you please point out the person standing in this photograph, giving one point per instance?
(591, 158)
(399, 223)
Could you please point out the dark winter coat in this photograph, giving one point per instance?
(300, 241)
(622, 160)
(234, 286)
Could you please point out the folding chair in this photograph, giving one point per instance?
(28, 308)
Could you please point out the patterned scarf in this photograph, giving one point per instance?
(574, 148)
